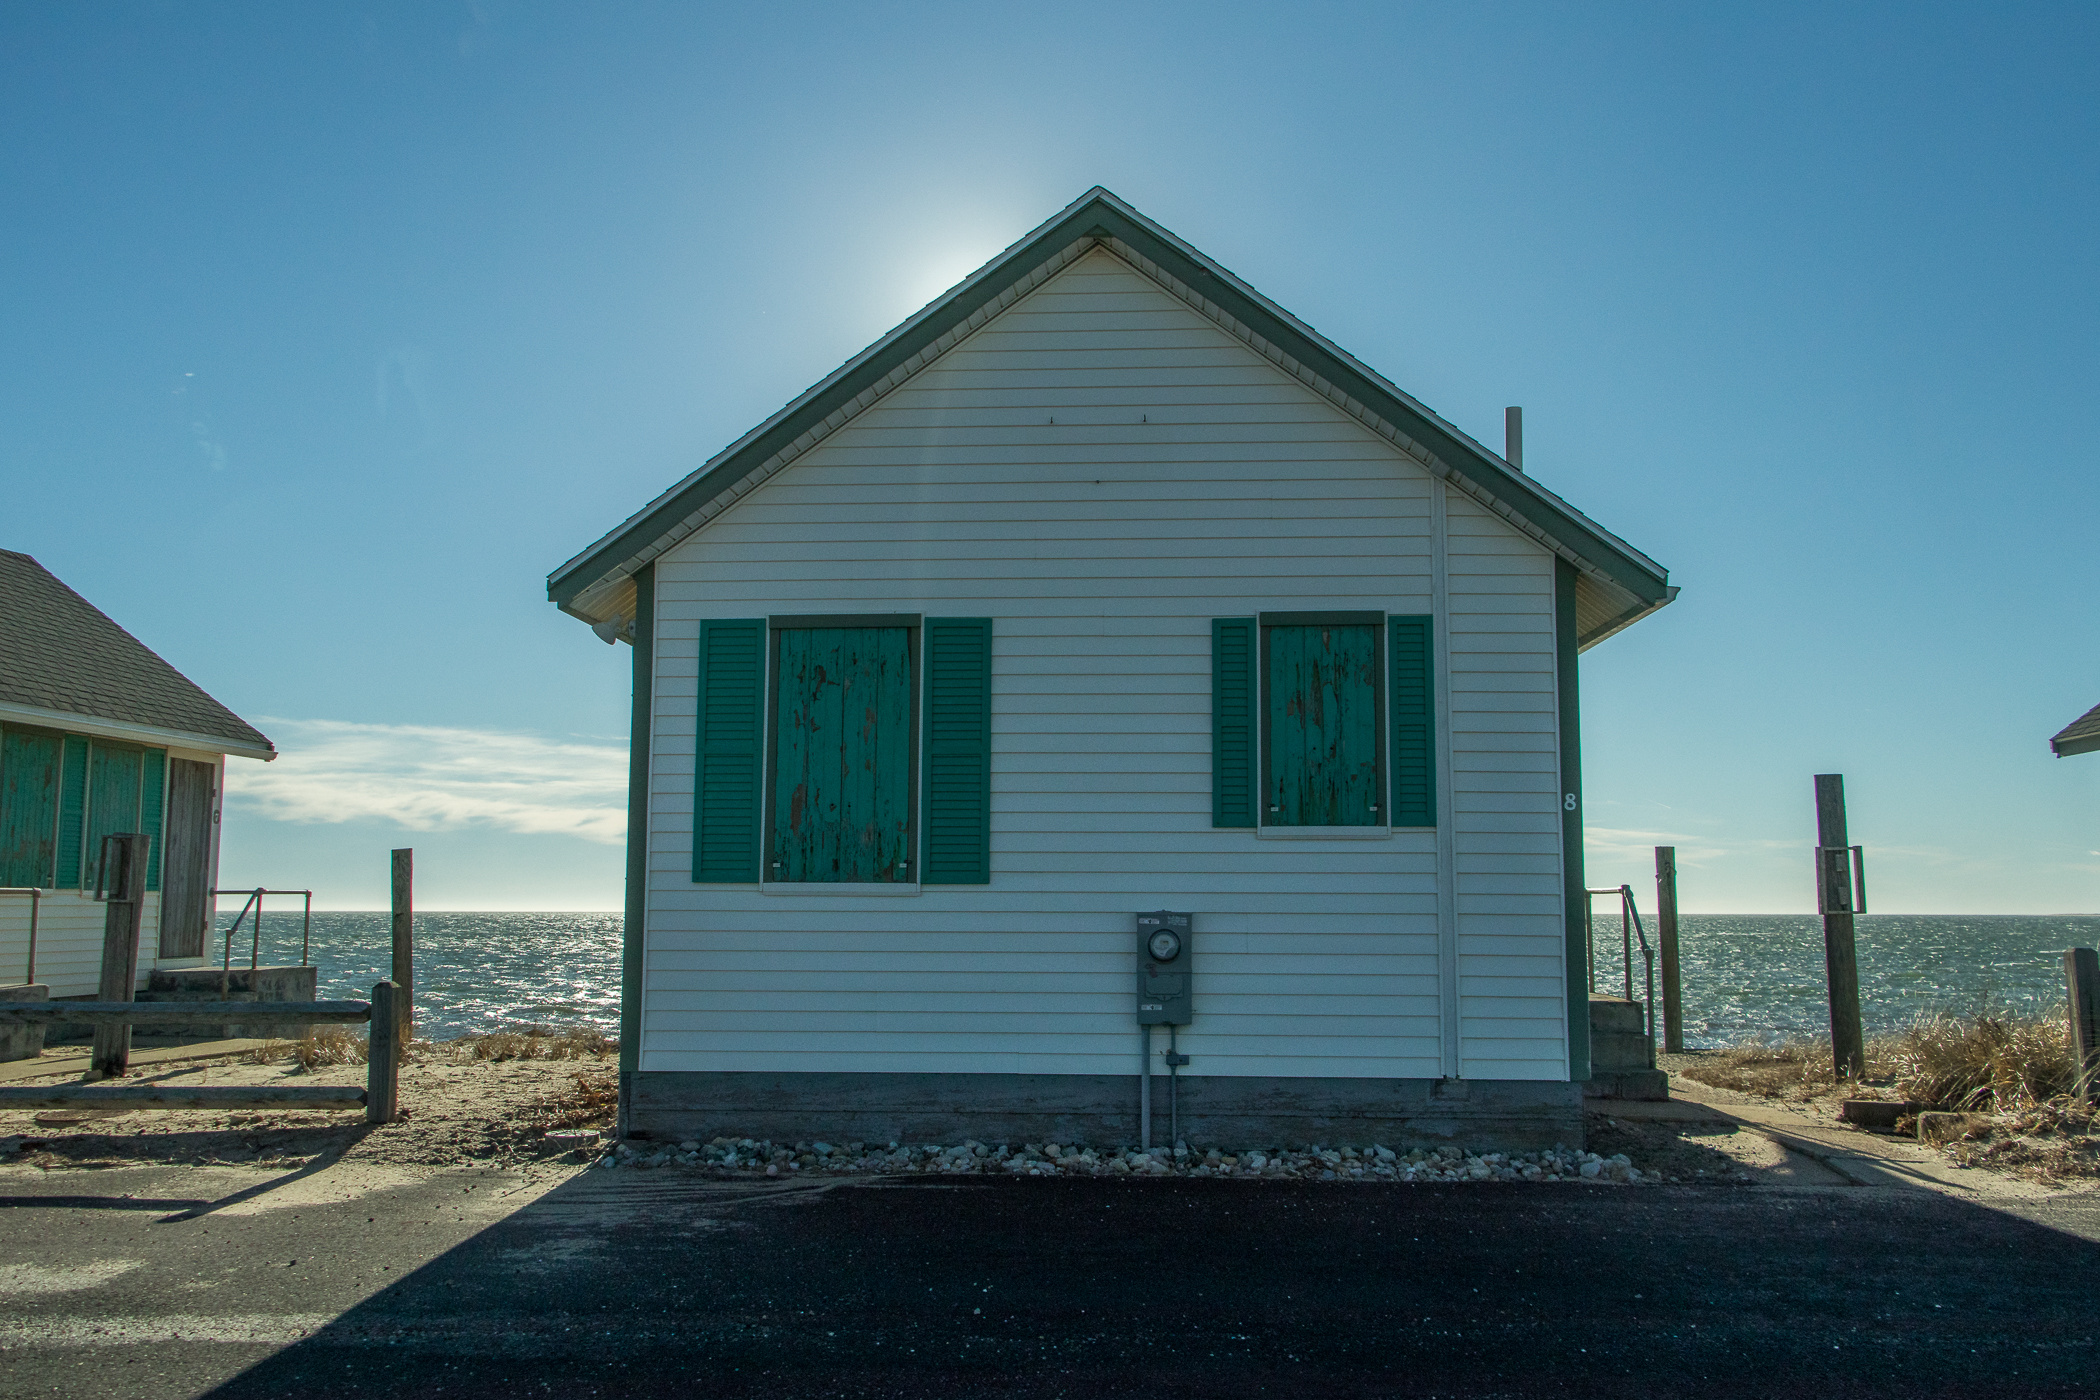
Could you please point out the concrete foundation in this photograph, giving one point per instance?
(262, 984)
(1100, 1110)
(1619, 1067)
(23, 1042)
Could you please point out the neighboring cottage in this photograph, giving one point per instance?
(1103, 585)
(99, 736)
(2081, 735)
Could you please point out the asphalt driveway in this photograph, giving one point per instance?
(134, 1282)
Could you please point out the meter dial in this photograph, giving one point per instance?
(1165, 946)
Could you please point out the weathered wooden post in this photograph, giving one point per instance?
(120, 879)
(1666, 931)
(2082, 983)
(1848, 1042)
(405, 927)
(383, 1057)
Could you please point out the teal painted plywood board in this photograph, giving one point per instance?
(1322, 767)
(842, 761)
(29, 768)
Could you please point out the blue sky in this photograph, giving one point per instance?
(329, 330)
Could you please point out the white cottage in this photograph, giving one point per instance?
(98, 736)
(1104, 585)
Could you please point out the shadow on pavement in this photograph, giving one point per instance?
(644, 1284)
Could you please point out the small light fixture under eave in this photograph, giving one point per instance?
(611, 629)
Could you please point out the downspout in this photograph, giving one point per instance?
(634, 924)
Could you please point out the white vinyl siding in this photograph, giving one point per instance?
(69, 941)
(1505, 765)
(1102, 546)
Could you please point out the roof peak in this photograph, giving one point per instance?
(1635, 584)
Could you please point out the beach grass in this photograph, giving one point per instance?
(538, 1043)
(2010, 1071)
(1992, 1058)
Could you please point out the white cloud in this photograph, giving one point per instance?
(427, 778)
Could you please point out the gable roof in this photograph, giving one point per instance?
(2081, 735)
(62, 658)
(1616, 584)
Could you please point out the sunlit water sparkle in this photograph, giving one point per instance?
(1744, 975)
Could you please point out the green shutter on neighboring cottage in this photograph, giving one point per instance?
(727, 759)
(152, 785)
(72, 809)
(958, 748)
(1414, 722)
(29, 766)
(113, 800)
(1232, 692)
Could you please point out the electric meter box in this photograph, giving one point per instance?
(1165, 953)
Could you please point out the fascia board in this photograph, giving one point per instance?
(97, 728)
(1100, 215)
(2066, 747)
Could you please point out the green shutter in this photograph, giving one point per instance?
(727, 766)
(113, 800)
(1232, 692)
(152, 785)
(958, 747)
(1414, 722)
(29, 765)
(72, 810)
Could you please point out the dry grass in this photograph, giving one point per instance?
(2011, 1068)
(1795, 1069)
(1993, 1060)
(1990, 1059)
(590, 1102)
(2052, 1142)
(537, 1043)
(320, 1047)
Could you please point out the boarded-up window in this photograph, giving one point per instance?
(1322, 719)
(867, 780)
(29, 768)
(1323, 748)
(842, 787)
(114, 773)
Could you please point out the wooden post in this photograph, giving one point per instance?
(122, 878)
(1848, 1042)
(1666, 932)
(405, 927)
(383, 1060)
(2082, 982)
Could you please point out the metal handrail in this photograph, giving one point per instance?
(36, 897)
(1630, 928)
(254, 897)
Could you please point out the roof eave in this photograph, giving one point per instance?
(101, 727)
(1625, 620)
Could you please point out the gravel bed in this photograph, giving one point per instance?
(747, 1157)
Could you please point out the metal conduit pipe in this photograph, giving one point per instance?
(1145, 1087)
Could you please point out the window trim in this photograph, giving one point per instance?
(915, 663)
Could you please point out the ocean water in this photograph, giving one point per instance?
(1761, 976)
(474, 972)
(1744, 975)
